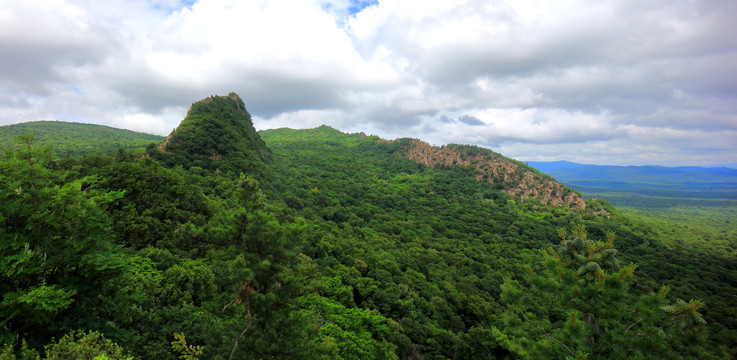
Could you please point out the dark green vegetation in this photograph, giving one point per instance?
(603, 319)
(216, 134)
(334, 248)
(73, 139)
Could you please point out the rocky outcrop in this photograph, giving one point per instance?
(162, 146)
(510, 176)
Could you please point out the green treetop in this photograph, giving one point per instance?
(591, 314)
(216, 134)
(55, 247)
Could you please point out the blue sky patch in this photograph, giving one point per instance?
(358, 5)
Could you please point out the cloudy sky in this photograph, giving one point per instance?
(625, 82)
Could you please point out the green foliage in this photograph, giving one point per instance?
(691, 249)
(24, 353)
(85, 346)
(664, 202)
(75, 139)
(55, 247)
(187, 352)
(217, 134)
(594, 316)
(264, 285)
(158, 201)
(480, 343)
(355, 330)
(424, 247)
(344, 251)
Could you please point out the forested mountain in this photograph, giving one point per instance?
(74, 139)
(515, 178)
(216, 134)
(336, 246)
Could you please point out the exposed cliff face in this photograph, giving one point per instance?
(162, 146)
(511, 177)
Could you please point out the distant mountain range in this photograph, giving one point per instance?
(674, 182)
(646, 174)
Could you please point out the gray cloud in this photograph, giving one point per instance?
(470, 120)
(41, 48)
(626, 82)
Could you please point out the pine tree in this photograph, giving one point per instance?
(266, 320)
(579, 307)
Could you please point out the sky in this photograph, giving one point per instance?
(624, 82)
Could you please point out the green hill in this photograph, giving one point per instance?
(359, 185)
(75, 139)
(217, 133)
(349, 248)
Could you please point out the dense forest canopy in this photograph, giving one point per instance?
(74, 139)
(226, 243)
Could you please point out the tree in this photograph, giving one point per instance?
(55, 247)
(80, 345)
(580, 307)
(157, 201)
(188, 352)
(263, 282)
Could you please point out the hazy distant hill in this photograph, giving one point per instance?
(75, 139)
(653, 174)
(612, 182)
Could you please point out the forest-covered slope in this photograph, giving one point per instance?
(345, 250)
(515, 178)
(75, 139)
(416, 206)
(217, 133)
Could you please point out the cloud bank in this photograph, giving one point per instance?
(608, 82)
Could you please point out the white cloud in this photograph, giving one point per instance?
(617, 82)
(303, 119)
(159, 123)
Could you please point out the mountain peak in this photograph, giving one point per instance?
(240, 106)
(217, 133)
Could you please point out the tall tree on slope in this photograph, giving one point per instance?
(591, 314)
